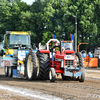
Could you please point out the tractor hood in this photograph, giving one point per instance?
(59, 56)
(69, 51)
(43, 51)
(62, 56)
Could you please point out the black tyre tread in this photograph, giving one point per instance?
(44, 66)
(33, 55)
(81, 63)
(81, 60)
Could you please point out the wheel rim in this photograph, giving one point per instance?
(30, 66)
(38, 66)
(77, 60)
(50, 75)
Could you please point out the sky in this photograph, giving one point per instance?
(28, 1)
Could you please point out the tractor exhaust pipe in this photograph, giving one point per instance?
(60, 48)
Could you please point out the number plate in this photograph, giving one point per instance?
(69, 57)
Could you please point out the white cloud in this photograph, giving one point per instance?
(28, 1)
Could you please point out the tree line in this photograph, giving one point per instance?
(46, 17)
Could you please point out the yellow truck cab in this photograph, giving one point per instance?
(16, 45)
(14, 40)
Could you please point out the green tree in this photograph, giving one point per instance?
(12, 15)
(41, 11)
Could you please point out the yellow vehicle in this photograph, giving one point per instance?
(17, 60)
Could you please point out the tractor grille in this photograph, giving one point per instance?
(68, 63)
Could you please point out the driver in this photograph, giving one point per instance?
(55, 49)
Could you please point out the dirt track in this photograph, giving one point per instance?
(68, 90)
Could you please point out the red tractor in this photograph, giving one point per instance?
(68, 63)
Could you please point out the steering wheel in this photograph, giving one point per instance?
(67, 49)
(83, 51)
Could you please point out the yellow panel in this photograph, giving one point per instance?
(10, 51)
(20, 33)
(6, 51)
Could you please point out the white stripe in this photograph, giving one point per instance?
(93, 77)
(29, 93)
(92, 71)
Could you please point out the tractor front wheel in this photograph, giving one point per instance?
(52, 75)
(31, 66)
(82, 78)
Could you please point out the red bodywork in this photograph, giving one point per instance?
(59, 56)
(44, 51)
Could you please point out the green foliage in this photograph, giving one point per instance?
(46, 37)
(46, 17)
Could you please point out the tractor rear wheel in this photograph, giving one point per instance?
(80, 60)
(43, 63)
(80, 64)
(6, 70)
(52, 75)
(31, 66)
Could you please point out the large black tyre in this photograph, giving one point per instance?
(30, 66)
(80, 63)
(43, 65)
(52, 75)
(6, 70)
(82, 78)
